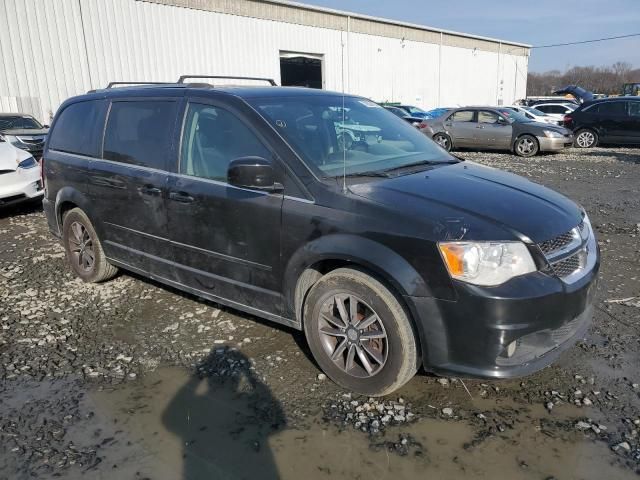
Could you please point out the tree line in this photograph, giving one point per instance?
(605, 80)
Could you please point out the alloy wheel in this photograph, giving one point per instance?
(585, 139)
(81, 247)
(442, 141)
(353, 335)
(526, 146)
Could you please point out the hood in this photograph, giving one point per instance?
(26, 131)
(579, 93)
(10, 156)
(474, 193)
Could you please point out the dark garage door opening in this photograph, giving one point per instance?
(300, 71)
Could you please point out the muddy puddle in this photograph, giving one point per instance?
(173, 425)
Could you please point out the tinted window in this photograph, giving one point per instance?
(634, 109)
(552, 108)
(211, 139)
(78, 128)
(463, 116)
(487, 117)
(140, 132)
(612, 108)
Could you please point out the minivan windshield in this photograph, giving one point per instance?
(333, 135)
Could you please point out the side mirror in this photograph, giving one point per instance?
(255, 173)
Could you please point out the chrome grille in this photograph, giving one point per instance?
(556, 243)
(567, 266)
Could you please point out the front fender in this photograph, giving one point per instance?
(363, 252)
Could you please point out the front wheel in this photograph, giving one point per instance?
(359, 333)
(443, 140)
(586, 139)
(526, 146)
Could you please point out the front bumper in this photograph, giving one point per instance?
(469, 336)
(20, 185)
(555, 144)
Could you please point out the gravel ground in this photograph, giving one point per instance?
(61, 341)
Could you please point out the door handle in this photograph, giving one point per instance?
(480, 126)
(150, 190)
(182, 197)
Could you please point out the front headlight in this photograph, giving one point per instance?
(553, 134)
(28, 163)
(486, 263)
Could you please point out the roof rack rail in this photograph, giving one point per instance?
(113, 84)
(270, 81)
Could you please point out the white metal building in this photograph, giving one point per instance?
(53, 49)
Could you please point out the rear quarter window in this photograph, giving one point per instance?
(78, 128)
(140, 132)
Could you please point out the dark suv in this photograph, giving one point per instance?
(387, 251)
(609, 120)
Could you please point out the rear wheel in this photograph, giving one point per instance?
(443, 140)
(586, 139)
(83, 248)
(359, 333)
(526, 146)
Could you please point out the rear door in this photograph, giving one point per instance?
(493, 131)
(633, 123)
(128, 185)
(461, 127)
(225, 240)
(612, 121)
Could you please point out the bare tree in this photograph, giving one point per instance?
(605, 80)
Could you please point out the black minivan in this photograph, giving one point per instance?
(328, 214)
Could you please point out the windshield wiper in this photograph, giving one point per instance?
(373, 173)
(421, 163)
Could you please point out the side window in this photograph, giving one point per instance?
(139, 132)
(211, 138)
(78, 128)
(463, 116)
(612, 108)
(487, 117)
(634, 109)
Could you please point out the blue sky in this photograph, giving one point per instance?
(536, 22)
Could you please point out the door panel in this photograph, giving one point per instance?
(225, 240)
(128, 186)
(632, 123)
(461, 126)
(491, 132)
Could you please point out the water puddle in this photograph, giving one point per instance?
(173, 426)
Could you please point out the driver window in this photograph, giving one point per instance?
(487, 117)
(463, 116)
(211, 138)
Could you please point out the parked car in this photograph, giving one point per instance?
(437, 112)
(495, 128)
(412, 110)
(388, 255)
(398, 112)
(24, 132)
(19, 175)
(533, 114)
(609, 120)
(556, 110)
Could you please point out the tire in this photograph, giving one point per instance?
(443, 140)
(80, 243)
(585, 138)
(526, 146)
(392, 359)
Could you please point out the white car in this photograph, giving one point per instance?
(556, 110)
(533, 114)
(19, 175)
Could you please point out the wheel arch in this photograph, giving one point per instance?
(68, 198)
(328, 253)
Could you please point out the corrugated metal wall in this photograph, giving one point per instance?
(53, 49)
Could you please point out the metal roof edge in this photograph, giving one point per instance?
(344, 13)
